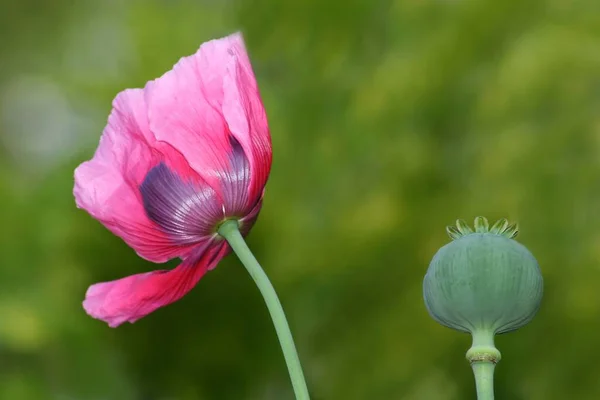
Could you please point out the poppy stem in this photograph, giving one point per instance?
(230, 231)
(484, 379)
(483, 356)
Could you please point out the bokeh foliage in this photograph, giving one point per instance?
(390, 119)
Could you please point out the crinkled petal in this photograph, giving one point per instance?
(246, 117)
(133, 297)
(107, 186)
(182, 113)
(205, 100)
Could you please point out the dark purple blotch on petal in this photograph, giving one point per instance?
(186, 211)
(189, 211)
(236, 181)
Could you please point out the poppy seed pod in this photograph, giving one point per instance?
(483, 281)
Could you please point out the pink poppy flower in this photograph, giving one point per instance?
(176, 159)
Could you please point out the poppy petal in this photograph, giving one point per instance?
(186, 211)
(246, 117)
(184, 110)
(133, 297)
(107, 186)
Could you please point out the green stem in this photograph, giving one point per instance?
(230, 231)
(483, 357)
(484, 379)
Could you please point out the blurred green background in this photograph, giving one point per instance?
(389, 119)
